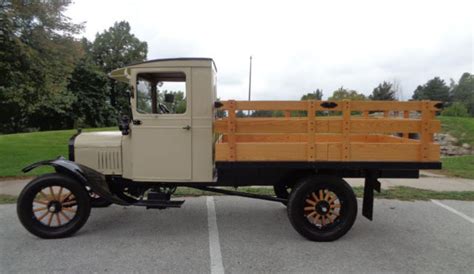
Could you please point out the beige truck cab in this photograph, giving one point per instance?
(162, 143)
(174, 138)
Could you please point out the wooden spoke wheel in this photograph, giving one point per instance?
(322, 208)
(53, 206)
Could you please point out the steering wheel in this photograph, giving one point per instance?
(163, 108)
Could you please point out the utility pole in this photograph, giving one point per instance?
(250, 78)
(250, 82)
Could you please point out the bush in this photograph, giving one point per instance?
(457, 109)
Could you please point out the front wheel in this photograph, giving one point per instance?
(322, 208)
(53, 206)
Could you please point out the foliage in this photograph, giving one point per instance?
(315, 95)
(89, 85)
(435, 89)
(463, 92)
(37, 53)
(457, 109)
(342, 93)
(49, 79)
(115, 48)
(383, 92)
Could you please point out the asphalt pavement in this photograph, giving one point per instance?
(246, 236)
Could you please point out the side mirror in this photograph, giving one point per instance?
(169, 98)
(124, 125)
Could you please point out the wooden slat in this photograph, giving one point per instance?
(426, 135)
(355, 105)
(346, 129)
(325, 152)
(319, 138)
(263, 152)
(311, 130)
(390, 152)
(323, 125)
(390, 105)
(277, 105)
(391, 125)
(406, 115)
(231, 127)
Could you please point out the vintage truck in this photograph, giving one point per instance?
(200, 142)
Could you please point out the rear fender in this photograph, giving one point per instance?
(86, 176)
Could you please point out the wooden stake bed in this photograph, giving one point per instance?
(317, 131)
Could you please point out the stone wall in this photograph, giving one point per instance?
(450, 145)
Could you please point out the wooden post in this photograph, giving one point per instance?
(366, 114)
(287, 113)
(386, 113)
(406, 115)
(346, 128)
(311, 150)
(231, 130)
(426, 136)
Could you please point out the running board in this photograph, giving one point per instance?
(158, 204)
(241, 194)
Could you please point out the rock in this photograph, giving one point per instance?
(466, 146)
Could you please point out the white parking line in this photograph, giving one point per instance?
(217, 266)
(460, 214)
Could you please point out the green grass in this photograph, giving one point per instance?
(459, 166)
(7, 199)
(463, 129)
(397, 193)
(21, 149)
(460, 127)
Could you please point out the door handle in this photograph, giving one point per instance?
(188, 127)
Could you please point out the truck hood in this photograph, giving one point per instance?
(98, 139)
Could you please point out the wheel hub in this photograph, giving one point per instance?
(322, 207)
(54, 206)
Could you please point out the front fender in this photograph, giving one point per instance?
(61, 165)
(87, 176)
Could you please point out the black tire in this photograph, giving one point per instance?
(72, 206)
(329, 220)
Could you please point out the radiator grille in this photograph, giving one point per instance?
(109, 160)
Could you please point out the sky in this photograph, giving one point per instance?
(300, 46)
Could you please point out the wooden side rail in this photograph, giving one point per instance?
(351, 135)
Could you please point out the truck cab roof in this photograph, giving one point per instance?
(123, 74)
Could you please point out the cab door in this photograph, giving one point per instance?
(161, 129)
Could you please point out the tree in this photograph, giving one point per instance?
(435, 89)
(89, 85)
(383, 92)
(115, 48)
(315, 95)
(463, 92)
(342, 93)
(37, 53)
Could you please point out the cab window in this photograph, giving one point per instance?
(161, 93)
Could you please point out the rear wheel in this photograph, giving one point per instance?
(53, 206)
(322, 208)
